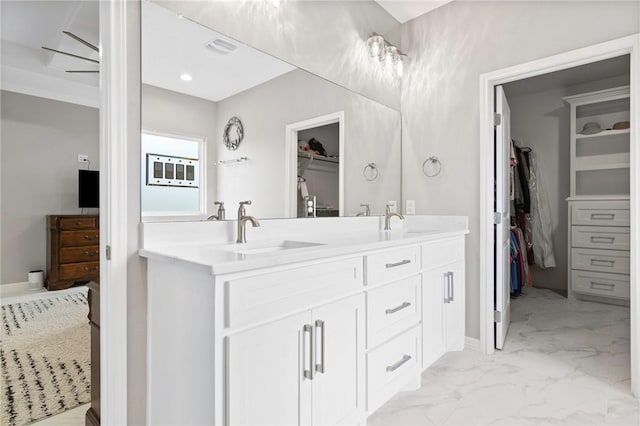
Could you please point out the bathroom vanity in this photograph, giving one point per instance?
(298, 326)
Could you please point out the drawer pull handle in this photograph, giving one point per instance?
(402, 262)
(320, 365)
(87, 269)
(603, 216)
(602, 286)
(394, 367)
(79, 223)
(308, 374)
(90, 253)
(603, 262)
(607, 240)
(397, 308)
(89, 237)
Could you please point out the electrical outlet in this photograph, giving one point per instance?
(411, 207)
(83, 158)
(393, 206)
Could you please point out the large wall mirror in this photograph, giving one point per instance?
(223, 122)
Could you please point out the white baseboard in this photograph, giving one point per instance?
(471, 344)
(17, 288)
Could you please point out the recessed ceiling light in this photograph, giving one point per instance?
(186, 77)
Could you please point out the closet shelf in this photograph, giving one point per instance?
(604, 134)
(313, 156)
(310, 160)
(603, 162)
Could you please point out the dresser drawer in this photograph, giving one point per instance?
(391, 309)
(392, 264)
(440, 253)
(75, 271)
(615, 261)
(609, 213)
(600, 284)
(391, 367)
(79, 254)
(71, 223)
(600, 237)
(261, 297)
(79, 238)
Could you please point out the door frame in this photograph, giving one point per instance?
(291, 159)
(629, 45)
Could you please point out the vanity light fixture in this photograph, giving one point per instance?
(385, 52)
(186, 77)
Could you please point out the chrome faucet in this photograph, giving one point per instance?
(221, 211)
(367, 210)
(387, 217)
(242, 220)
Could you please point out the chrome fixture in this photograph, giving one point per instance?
(221, 211)
(242, 221)
(383, 51)
(387, 217)
(367, 210)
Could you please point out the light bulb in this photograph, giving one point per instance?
(391, 56)
(400, 65)
(376, 47)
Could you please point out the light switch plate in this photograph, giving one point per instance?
(411, 207)
(393, 206)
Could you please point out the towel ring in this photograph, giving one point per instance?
(370, 172)
(431, 166)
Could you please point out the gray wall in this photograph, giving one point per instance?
(449, 49)
(541, 121)
(327, 38)
(41, 140)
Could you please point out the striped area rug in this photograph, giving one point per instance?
(45, 357)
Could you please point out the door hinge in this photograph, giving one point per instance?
(497, 218)
(108, 252)
(497, 119)
(497, 316)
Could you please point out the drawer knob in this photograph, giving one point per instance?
(603, 216)
(402, 262)
(397, 308)
(394, 367)
(604, 240)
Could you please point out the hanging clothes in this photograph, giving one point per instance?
(541, 223)
(520, 272)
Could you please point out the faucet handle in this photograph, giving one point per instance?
(248, 202)
(219, 203)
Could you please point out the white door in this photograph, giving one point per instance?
(339, 334)
(502, 229)
(266, 382)
(433, 291)
(454, 308)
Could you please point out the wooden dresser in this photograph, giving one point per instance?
(73, 250)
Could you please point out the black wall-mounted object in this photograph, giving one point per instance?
(88, 189)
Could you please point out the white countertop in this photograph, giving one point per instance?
(221, 258)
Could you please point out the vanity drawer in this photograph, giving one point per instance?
(600, 237)
(392, 264)
(391, 309)
(615, 261)
(609, 213)
(391, 367)
(600, 284)
(76, 271)
(440, 253)
(79, 238)
(79, 254)
(261, 297)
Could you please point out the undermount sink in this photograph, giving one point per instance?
(270, 247)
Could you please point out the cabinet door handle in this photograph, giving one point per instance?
(397, 308)
(320, 366)
(602, 286)
(603, 262)
(446, 287)
(402, 262)
(451, 283)
(607, 240)
(394, 367)
(308, 374)
(603, 216)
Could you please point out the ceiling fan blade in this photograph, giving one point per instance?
(71, 54)
(83, 41)
(81, 71)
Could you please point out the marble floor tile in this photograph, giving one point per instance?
(565, 362)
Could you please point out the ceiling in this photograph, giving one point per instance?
(215, 74)
(588, 73)
(27, 68)
(404, 10)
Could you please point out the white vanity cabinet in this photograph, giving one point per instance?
(302, 369)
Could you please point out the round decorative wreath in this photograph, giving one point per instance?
(233, 133)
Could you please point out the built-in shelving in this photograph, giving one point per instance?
(602, 162)
(604, 134)
(311, 160)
